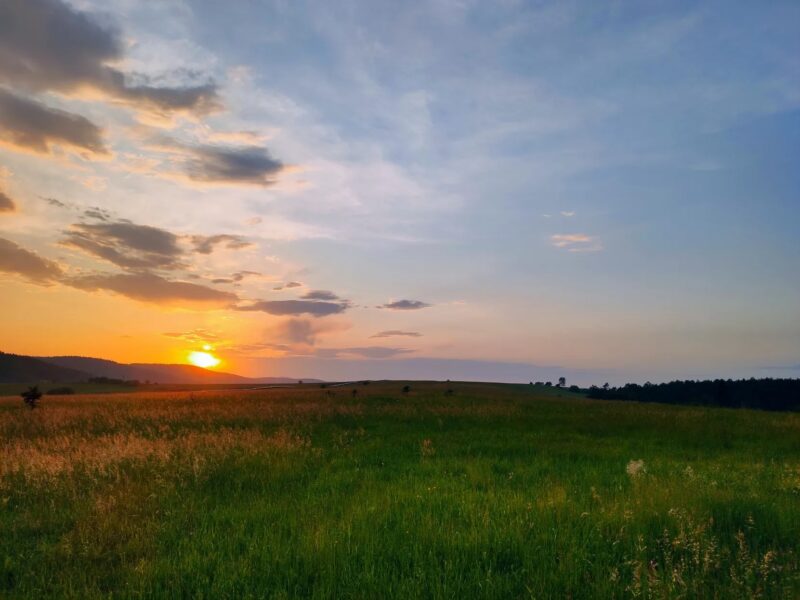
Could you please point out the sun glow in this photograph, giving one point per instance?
(203, 359)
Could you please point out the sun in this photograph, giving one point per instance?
(203, 359)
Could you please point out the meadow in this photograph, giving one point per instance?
(491, 491)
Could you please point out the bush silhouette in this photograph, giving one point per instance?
(31, 396)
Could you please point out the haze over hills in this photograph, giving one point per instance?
(71, 369)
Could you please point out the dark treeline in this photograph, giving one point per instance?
(765, 394)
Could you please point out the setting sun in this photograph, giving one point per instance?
(203, 359)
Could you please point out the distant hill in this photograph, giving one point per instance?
(22, 369)
(156, 373)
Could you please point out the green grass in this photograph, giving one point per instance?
(495, 492)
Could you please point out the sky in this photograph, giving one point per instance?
(510, 191)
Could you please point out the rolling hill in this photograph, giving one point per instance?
(72, 369)
(15, 369)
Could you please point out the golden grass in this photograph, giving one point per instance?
(45, 457)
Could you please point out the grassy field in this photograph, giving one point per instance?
(496, 491)
(14, 389)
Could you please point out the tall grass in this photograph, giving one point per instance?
(494, 492)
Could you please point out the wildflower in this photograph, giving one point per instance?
(636, 468)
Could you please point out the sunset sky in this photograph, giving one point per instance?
(442, 189)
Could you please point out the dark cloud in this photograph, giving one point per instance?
(126, 244)
(97, 213)
(148, 287)
(206, 244)
(236, 277)
(405, 305)
(17, 260)
(395, 332)
(296, 307)
(55, 202)
(6, 204)
(249, 165)
(48, 45)
(286, 286)
(319, 295)
(29, 125)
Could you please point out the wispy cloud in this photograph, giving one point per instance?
(395, 333)
(576, 242)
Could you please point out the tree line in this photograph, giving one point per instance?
(764, 394)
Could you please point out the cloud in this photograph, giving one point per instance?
(319, 295)
(29, 125)
(56, 202)
(195, 336)
(567, 213)
(46, 45)
(296, 307)
(244, 165)
(300, 331)
(6, 204)
(576, 242)
(133, 246)
(206, 244)
(405, 305)
(287, 286)
(148, 287)
(126, 244)
(236, 277)
(97, 213)
(19, 261)
(364, 352)
(395, 332)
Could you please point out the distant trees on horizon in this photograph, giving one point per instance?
(764, 394)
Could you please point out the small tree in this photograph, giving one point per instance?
(562, 382)
(406, 389)
(31, 396)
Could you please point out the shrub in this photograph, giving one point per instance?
(31, 396)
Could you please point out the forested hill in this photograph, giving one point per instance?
(766, 394)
